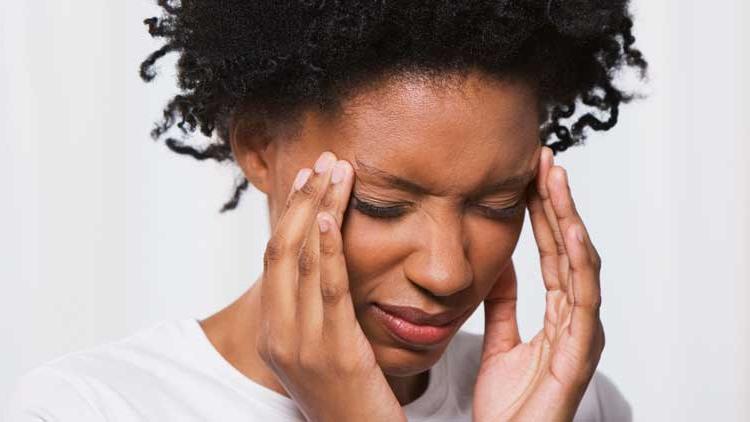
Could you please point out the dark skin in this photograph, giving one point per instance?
(474, 151)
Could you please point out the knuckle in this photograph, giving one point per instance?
(308, 189)
(560, 248)
(347, 366)
(596, 303)
(597, 261)
(307, 262)
(328, 201)
(595, 258)
(308, 360)
(329, 248)
(592, 304)
(289, 201)
(275, 249)
(545, 253)
(333, 292)
(279, 355)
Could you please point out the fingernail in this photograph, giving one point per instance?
(339, 172)
(579, 234)
(301, 178)
(325, 161)
(323, 223)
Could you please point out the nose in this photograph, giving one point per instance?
(439, 263)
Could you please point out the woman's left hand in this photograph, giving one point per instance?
(544, 379)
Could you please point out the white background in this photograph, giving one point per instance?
(103, 231)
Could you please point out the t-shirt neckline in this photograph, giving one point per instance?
(424, 406)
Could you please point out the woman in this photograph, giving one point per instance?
(398, 145)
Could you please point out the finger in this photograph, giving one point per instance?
(546, 161)
(585, 285)
(281, 258)
(543, 187)
(545, 240)
(336, 198)
(561, 198)
(500, 322)
(562, 201)
(339, 319)
(334, 203)
(547, 245)
(309, 304)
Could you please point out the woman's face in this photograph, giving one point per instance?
(471, 152)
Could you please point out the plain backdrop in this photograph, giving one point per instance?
(103, 231)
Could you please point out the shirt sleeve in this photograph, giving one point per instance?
(612, 404)
(48, 395)
(602, 402)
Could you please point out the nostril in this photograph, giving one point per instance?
(439, 262)
(440, 277)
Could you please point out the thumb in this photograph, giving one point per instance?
(500, 324)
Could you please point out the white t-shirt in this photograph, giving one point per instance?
(172, 372)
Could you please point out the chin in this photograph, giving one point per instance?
(397, 358)
(397, 361)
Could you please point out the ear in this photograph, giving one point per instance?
(252, 152)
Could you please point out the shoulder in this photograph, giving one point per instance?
(46, 394)
(74, 386)
(602, 400)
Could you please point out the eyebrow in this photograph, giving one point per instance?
(397, 182)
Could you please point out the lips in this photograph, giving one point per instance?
(418, 316)
(416, 327)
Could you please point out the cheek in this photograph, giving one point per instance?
(491, 246)
(372, 249)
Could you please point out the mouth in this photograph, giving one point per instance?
(416, 327)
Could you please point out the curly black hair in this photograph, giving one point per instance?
(275, 58)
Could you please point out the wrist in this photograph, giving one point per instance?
(554, 409)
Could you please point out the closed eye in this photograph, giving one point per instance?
(393, 212)
(376, 211)
(502, 213)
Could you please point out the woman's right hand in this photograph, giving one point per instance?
(309, 335)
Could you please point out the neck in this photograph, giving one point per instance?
(233, 331)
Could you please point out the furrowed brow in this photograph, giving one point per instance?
(518, 181)
(394, 181)
(397, 182)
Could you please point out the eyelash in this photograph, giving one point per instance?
(376, 211)
(397, 211)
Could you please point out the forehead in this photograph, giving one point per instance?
(448, 137)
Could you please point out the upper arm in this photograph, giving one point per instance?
(45, 394)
